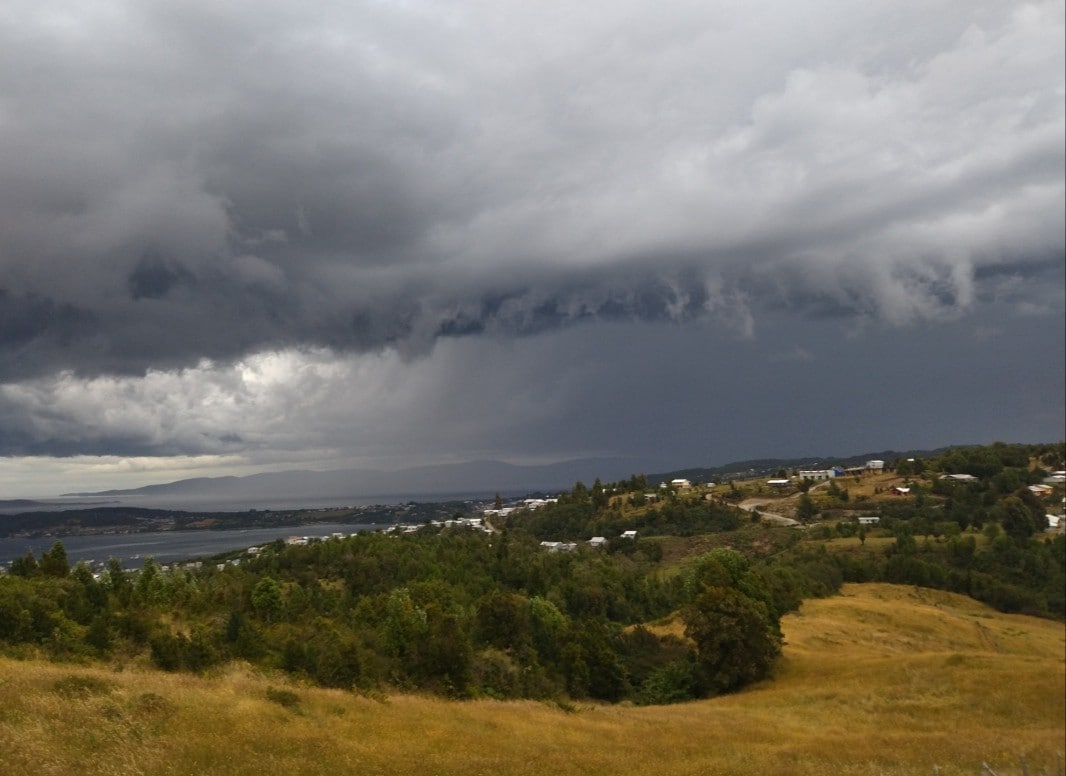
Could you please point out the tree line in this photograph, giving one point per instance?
(453, 611)
(466, 613)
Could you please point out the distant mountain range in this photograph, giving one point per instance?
(471, 479)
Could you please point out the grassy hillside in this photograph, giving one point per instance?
(880, 680)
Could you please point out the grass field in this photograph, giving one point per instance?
(879, 680)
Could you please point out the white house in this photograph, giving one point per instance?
(629, 534)
(817, 474)
(875, 465)
(959, 477)
(869, 520)
(779, 483)
(680, 483)
(598, 541)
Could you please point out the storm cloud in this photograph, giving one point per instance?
(189, 190)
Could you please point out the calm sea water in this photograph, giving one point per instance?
(167, 546)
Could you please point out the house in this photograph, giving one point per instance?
(629, 534)
(559, 546)
(967, 478)
(680, 483)
(817, 474)
(1055, 523)
(598, 541)
(869, 520)
(875, 465)
(1041, 490)
(779, 483)
(900, 491)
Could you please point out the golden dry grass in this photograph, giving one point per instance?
(880, 680)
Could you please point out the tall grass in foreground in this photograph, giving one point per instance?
(880, 680)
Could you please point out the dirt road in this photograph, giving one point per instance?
(752, 504)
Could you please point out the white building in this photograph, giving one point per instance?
(559, 546)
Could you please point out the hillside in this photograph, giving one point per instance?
(878, 680)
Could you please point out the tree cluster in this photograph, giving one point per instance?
(452, 611)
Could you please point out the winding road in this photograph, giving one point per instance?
(752, 504)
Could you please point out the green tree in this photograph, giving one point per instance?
(150, 587)
(266, 598)
(118, 580)
(737, 640)
(805, 509)
(503, 620)
(1016, 518)
(405, 624)
(446, 652)
(548, 626)
(54, 563)
(25, 565)
(905, 542)
(600, 497)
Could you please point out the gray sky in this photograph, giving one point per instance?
(242, 236)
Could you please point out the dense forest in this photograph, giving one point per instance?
(688, 608)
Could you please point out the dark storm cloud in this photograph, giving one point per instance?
(184, 181)
(187, 186)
